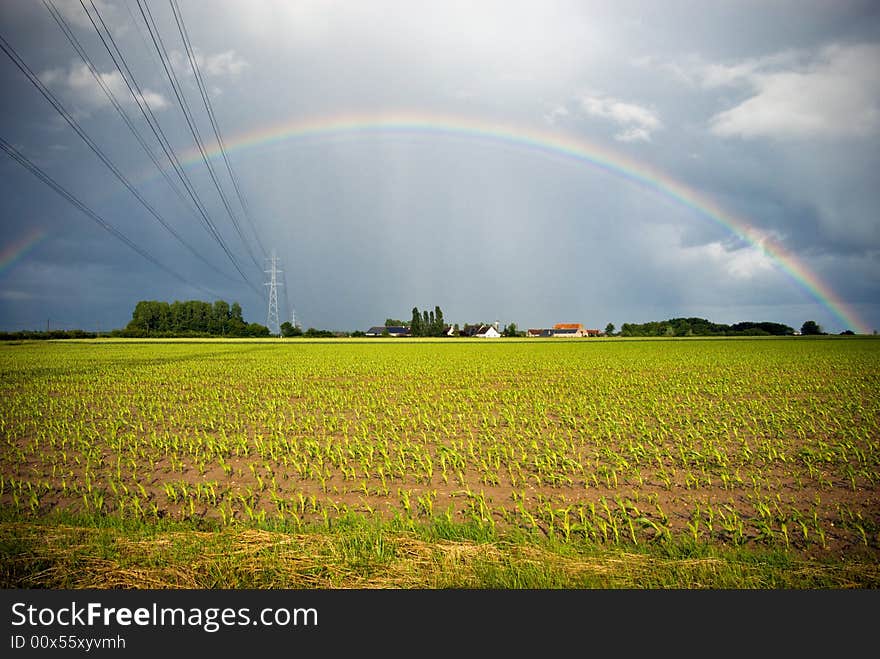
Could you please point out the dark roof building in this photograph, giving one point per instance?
(390, 330)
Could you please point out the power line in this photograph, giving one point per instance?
(184, 35)
(20, 158)
(150, 117)
(148, 49)
(156, 37)
(77, 46)
(59, 107)
(84, 56)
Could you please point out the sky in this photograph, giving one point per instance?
(520, 162)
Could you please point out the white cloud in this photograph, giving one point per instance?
(78, 83)
(742, 264)
(834, 92)
(636, 122)
(633, 134)
(557, 113)
(747, 72)
(73, 11)
(225, 64)
(746, 262)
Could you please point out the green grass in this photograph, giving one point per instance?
(76, 553)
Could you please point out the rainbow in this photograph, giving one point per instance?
(553, 144)
(15, 251)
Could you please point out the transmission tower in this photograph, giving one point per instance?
(272, 318)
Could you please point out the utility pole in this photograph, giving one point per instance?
(272, 317)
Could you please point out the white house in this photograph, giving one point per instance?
(487, 332)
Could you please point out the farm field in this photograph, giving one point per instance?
(687, 463)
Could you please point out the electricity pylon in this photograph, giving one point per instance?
(272, 317)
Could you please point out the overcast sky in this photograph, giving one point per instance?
(768, 112)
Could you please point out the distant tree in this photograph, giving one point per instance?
(30, 335)
(235, 311)
(358, 333)
(178, 318)
(236, 324)
(220, 317)
(393, 322)
(426, 323)
(510, 330)
(810, 327)
(847, 333)
(439, 324)
(750, 328)
(145, 317)
(675, 327)
(255, 329)
(188, 318)
(415, 327)
(609, 329)
(316, 333)
(290, 330)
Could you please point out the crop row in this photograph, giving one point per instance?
(775, 442)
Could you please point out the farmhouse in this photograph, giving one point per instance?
(565, 330)
(569, 330)
(482, 331)
(390, 330)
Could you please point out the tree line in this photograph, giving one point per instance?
(195, 318)
(289, 330)
(701, 327)
(34, 335)
(152, 318)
